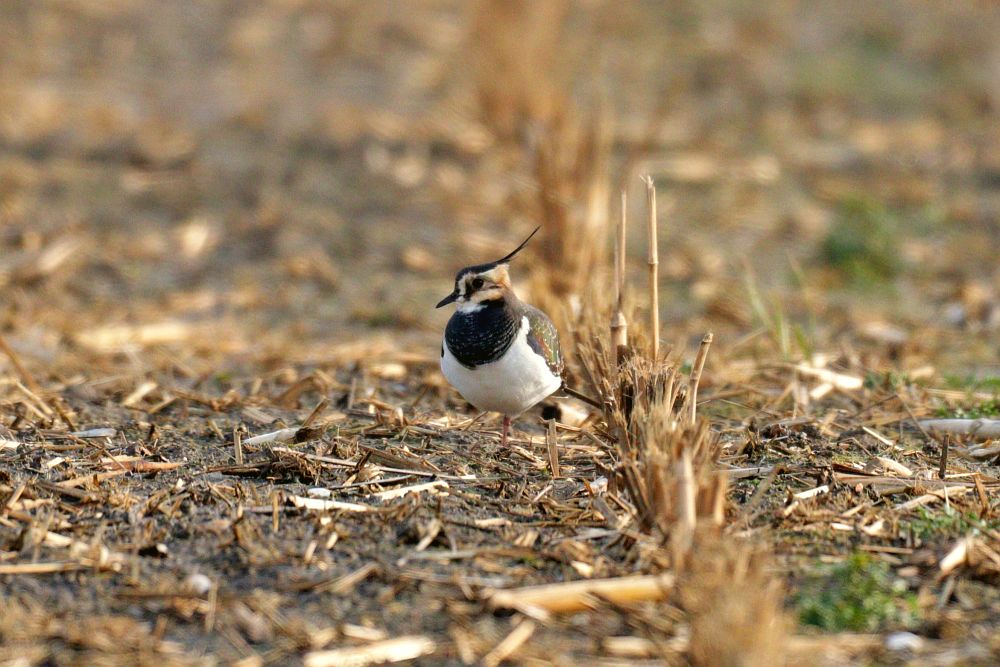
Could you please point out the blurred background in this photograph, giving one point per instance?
(264, 180)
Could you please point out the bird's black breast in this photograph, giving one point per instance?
(482, 336)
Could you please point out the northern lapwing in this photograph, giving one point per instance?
(501, 354)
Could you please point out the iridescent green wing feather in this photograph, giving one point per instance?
(543, 338)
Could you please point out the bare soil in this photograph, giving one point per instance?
(220, 220)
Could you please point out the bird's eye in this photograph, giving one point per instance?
(477, 283)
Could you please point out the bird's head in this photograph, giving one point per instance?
(474, 285)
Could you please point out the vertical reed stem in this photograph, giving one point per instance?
(682, 534)
(654, 288)
(619, 325)
(552, 448)
(695, 378)
(238, 445)
(620, 253)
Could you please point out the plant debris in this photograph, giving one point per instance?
(224, 438)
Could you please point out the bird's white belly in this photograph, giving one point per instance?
(510, 385)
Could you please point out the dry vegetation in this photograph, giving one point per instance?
(223, 435)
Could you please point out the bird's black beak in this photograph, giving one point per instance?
(448, 299)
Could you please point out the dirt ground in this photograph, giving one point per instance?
(224, 438)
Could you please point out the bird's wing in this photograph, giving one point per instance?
(544, 338)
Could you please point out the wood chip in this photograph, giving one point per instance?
(114, 337)
(509, 644)
(894, 466)
(281, 435)
(629, 647)
(417, 488)
(139, 465)
(577, 595)
(95, 433)
(139, 393)
(841, 381)
(812, 493)
(326, 505)
(39, 568)
(390, 650)
(552, 448)
(956, 557)
(928, 498)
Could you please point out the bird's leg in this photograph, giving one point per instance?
(506, 428)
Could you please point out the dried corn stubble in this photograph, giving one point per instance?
(734, 604)
(569, 168)
(668, 464)
(665, 461)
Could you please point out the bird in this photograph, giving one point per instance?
(501, 354)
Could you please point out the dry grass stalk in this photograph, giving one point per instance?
(238, 445)
(314, 413)
(281, 435)
(523, 61)
(943, 463)
(40, 568)
(647, 410)
(654, 261)
(28, 378)
(431, 487)
(521, 633)
(375, 653)
(92, 555)
(679, 486)
(686, 518)
(619, 325)
(695, 377)
(516, 48)
(552, 447)
(321, 505)
(34, 635)
(667, 458)
(630, 647)
(579, 595)
(734, 603)
(570, 167)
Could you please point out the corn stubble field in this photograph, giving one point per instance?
(224, 437)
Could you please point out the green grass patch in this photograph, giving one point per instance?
(948, 524)
(791, 338)
(972, 383)
(862, 244)
(890, 380)
(860, 595)
(972, 408)
(849, 458)
(984, 409)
